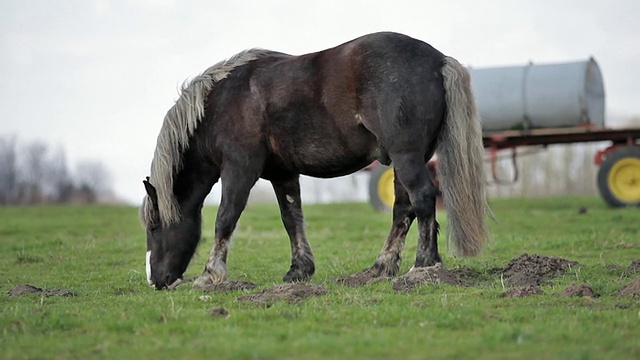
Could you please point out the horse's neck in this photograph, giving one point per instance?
(191, 187)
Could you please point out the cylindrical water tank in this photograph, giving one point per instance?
(539, 96)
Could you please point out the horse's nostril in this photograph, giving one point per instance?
(159, 286)
(161, 282)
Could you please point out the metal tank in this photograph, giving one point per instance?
(539, 96)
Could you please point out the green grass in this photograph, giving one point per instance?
(98, 253)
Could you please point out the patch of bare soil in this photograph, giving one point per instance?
(634, 267)
(612, 267)
(291, 293)
(30, 289)
(427, 275)
(632, 289)
(364, 277)
(578, 290)
(468, 275)
(124, 292)
(219, 312)
(534, 269)
(522, 291)
(230, 285)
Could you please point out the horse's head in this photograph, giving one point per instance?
(169, 247)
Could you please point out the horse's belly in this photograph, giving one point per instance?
(338, 167)
(334, 155)
(324, 160)
(320, 146)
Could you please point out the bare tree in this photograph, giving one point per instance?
(93, 177)
(8, 170)
(31, 174)
(58, 185)
(32, 170)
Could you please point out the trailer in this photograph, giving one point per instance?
(541, 105)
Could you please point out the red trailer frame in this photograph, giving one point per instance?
(618, 177)
(514, 139)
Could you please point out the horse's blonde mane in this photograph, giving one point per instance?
(179, 125)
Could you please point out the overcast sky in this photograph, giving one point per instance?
(97, 77)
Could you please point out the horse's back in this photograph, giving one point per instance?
(386, 49)
(328, 113)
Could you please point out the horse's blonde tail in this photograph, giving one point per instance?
(460, 163)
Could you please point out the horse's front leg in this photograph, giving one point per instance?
(236, 186)
(302, 262)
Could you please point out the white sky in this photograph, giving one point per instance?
(97, 77)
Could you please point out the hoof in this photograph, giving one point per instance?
(427, 262)
(386, 265)
(203, 282)
(210, 277)
(206, 281)
(296, 276)
(300, 271)
(380, 269)
(437, 265)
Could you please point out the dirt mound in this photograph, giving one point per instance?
(634, 267)
(612, 267)
(30, 289)
(364, 277)
(534, 269)
(427, 275)
(468, 275)
(632, 289)
(289, 292)
(522, 291)
(577, 290)
(522, 271)
(219, 312)
(230, 285)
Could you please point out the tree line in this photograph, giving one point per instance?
(35, 173)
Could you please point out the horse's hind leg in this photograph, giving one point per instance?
(389, 259)
(302, 262)
(415, 178)
(236, 186)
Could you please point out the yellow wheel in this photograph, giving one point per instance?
(619, 177)
(381, 191)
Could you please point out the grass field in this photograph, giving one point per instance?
(98, 252)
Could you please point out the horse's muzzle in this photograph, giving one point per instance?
(169, 284)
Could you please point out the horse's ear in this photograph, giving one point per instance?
(151, 191)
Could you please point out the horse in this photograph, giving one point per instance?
(266, 114)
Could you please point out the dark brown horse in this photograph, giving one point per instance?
(264, 114)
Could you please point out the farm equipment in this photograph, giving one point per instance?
(541, 105)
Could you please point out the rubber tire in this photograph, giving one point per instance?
(378, 201)
(612, 159)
